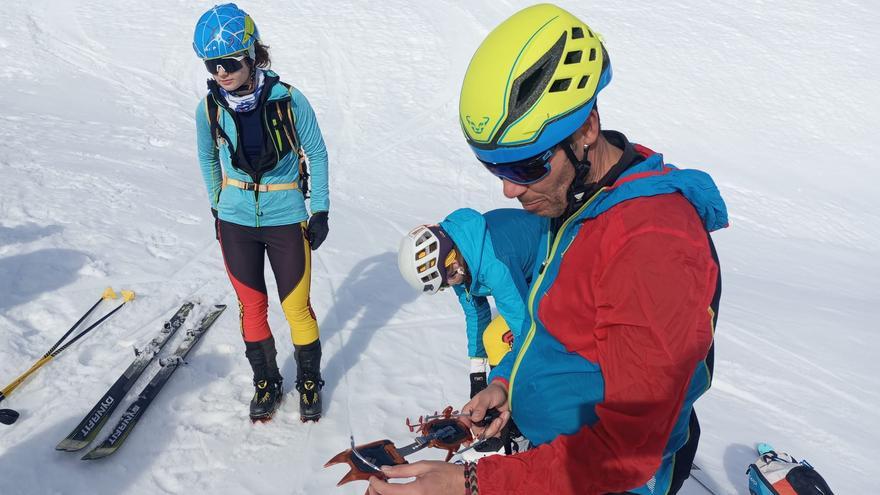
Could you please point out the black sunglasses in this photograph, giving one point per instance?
(523, 172)
(228, 64)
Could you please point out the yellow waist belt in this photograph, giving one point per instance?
(251, 186)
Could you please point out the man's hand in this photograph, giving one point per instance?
(431, 478)
(495, 395)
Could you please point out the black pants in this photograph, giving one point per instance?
(244, 252)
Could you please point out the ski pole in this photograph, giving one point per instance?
(9, 416)
(108, 294)
(127, 296)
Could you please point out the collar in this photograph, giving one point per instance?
(632, 154)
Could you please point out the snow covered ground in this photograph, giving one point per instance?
(100, 187)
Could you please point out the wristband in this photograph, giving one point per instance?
(470, 479)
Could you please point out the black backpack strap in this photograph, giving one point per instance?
(212, 111)
(285, 109)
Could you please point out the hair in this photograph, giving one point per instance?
(261, 55)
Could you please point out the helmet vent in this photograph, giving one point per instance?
(560, 85)
(575, 57)
(592, 54)
(527, 86)
(577, 33)
(533, 82)
(583, 83)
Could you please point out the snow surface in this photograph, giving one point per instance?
(100, 186)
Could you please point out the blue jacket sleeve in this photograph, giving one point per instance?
(313, 143)
(510, 291)
(477, 315)
(209, 160)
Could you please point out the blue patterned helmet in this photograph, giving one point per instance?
(224, 30)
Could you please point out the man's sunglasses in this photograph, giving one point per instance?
(523, 172)
(228, 64)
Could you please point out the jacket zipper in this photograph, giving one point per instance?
(277, 159)
(534, 292)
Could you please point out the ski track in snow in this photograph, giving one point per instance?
(776, 101)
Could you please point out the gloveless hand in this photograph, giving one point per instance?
(431, 478)
(495, 395)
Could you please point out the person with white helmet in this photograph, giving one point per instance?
(624, 300)
(258, 143)
(478, 255)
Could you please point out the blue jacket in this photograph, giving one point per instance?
(267, 208)
(499, 248)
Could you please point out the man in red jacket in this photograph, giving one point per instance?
(625, 293)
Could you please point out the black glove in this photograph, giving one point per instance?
(317, 229)
(216, 224)
(478, 383)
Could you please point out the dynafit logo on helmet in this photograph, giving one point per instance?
(477, 127)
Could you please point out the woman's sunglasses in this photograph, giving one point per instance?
(228, 64)
(523, 172)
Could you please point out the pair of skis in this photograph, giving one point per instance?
(91, 424)
(10, 416)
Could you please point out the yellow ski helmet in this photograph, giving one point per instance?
(531, 84)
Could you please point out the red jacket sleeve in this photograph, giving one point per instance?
(652, 328)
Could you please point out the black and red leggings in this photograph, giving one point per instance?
(244, 253)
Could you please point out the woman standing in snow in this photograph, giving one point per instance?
(256, 138)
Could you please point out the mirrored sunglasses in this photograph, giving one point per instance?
(523, 172)
(228, 64)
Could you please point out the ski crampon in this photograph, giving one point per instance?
(445, 431)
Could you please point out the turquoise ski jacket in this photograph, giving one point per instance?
(262, 209)
(500, 249)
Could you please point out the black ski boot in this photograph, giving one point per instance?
(267, 398)
(268, 390)
(308, 380)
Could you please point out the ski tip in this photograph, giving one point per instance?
(764, 448)
(109, 293)
(8, 416)
(98, 453)
(70, 445)
(127, 295)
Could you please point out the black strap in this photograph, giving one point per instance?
(281, 107)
